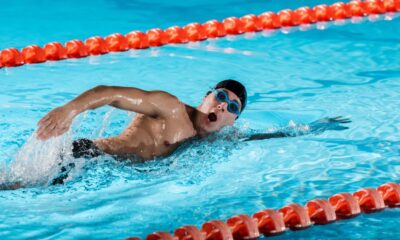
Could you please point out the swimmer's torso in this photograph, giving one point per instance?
(148, 137)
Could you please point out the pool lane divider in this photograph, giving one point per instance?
(194, 32)
(269, 222)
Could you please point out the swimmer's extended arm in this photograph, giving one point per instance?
(315, 127)
(151, 103)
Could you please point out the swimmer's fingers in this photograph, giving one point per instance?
(339, 119)
(46, 131)
(44, 120)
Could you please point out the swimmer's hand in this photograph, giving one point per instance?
(56, 122)
(327, 123)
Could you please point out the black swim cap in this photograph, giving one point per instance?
(237, 88)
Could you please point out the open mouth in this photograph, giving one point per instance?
(212, 117)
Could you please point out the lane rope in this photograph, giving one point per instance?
(193, 32)
(270, 222)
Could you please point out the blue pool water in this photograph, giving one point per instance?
(293, 77)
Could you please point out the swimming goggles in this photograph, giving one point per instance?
(223, 96)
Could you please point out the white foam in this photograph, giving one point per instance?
(36, 162)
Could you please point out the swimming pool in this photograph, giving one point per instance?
(292, 77)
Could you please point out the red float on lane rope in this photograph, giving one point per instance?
(117, 43)
(373, 6)
(137, 40)
(355, 9)
(33, 54)
(76, 49)
(243, 227)
(176, 34)
(198, 32)
(339, 11)
(96, 45)
(269, 20)
(322, 13)
(251, 23)
(288, 18)
(156, 37)
(270, 222)
(55, 51)
(305, 15)
(390, 193)
(189, 233)
(295, 217)
(214, 29)
(233, 25)
(346, 206)
(369, 200)
(11, 57)
(195, 32)
(320, 211)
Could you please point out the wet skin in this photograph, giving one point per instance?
(161, 124)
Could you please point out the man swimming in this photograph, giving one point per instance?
(161, 125)
(162, 122)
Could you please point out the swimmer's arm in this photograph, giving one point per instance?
(315, 127)
(151, 103)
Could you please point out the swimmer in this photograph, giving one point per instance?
(162, 122)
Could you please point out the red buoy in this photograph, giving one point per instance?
(251, 23)
(11, 57)
(156, 37)
(373, 6)
(320, 211)
(195, 32)
(76, 49)
(33, 54)
(117, 43)
(243, 227)
(391, 5)
(96, 46)
(369, 200)
(346, 206)
(305, 15)
(288, 18)
(233, 25)
(355, 9)
(55, 51)
(214, 28)
(175, 34)
(339, 11)
(322, 13)
(137, 40)
(270, 222)
(295, 217)
(390, 193)
(189, 233)
(160, 236)
(269, 20)
(217, 230)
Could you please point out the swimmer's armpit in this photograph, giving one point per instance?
(315, 127)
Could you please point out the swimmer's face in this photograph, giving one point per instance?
(216, 112)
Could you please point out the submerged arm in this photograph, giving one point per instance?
(315, 127)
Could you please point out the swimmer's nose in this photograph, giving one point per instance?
(222, 106)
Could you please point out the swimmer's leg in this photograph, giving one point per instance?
(80, 148)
